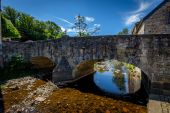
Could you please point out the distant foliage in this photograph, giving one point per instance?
(125, 31)
(9, 30)
(30, 28)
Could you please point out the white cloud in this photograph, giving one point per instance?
(64, 20)
(62, 28)
(97, 25)
(142, 7)
(132, 19)
(89, 19)
(71, 30)
(135, 16)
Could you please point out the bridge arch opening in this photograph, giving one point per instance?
(125, 77)
(42, 62)
(44, 66)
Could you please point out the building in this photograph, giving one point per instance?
(156, 22)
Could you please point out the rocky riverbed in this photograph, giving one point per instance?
(32, 95)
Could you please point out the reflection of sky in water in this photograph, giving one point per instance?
(105, 80)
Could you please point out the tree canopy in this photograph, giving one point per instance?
(125, 31)
(29, 27)
(9, 30)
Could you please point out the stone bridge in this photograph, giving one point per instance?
(151, 53)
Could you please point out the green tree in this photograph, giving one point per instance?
(125, 31)
(30, 28)
(53, 30)
(9, 29)
(25, 26)
(11, 14)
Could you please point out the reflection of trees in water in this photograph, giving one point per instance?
(119, 79)
(134, 74)
(117, 64)
(101, 70)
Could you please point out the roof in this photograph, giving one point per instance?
(155, 9)
(138, 25)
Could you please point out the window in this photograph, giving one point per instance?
(169, 18)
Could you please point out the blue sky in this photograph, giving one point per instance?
(111, 15)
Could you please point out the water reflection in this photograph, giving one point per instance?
(117, 77)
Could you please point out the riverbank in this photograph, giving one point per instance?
(38, 96)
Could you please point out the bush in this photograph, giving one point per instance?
(16, 68)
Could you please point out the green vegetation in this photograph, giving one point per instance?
(9, 30)
(16, 68)
(117, 64)
(130, 67)
(125, 31)
(119, 80)
(26, 27)
(119, 77)
(81, 27)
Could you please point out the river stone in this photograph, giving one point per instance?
(40, 99)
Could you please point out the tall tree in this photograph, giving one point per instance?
(80, 26)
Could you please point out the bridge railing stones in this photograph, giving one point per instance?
(151, 53)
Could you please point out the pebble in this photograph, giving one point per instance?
(125, 110)
(101, 103)
(113, 107)
(65, 98)
(40, 99)
(80, 111)
(14, 87)
(107, 111)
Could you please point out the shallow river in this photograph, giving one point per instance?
(116, 79)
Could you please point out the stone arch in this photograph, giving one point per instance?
(42, 62)
(145, 79)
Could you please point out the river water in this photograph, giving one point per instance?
(114, 77)
(116, 80)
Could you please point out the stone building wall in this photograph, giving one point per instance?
(157, 23)
(151, 53)
(142, 29)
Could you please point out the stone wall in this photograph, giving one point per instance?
(157, 23)
(151, 53)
